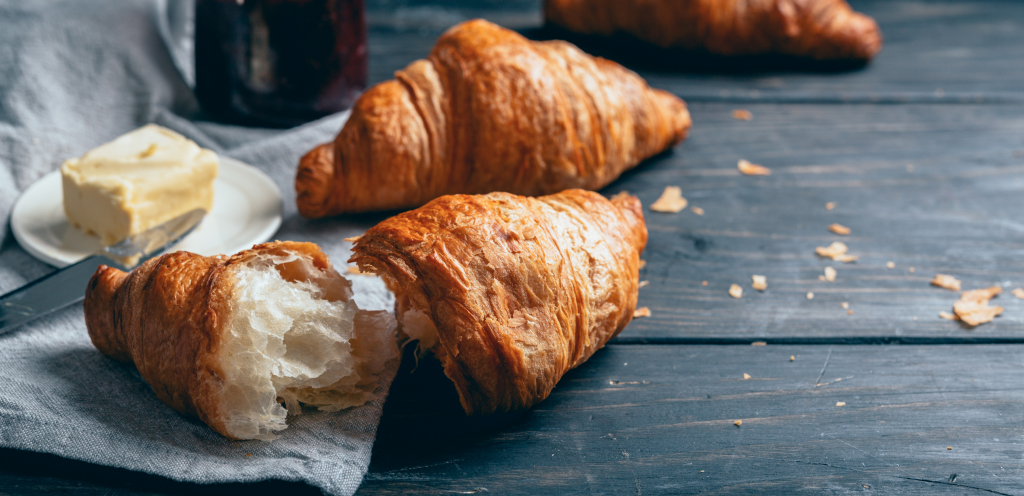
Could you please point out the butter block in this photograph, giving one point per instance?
(139, 180)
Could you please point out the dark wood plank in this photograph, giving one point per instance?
(933, 187)
(659, 420)
(936, 51)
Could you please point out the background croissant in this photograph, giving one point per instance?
(819, 29)
(510, 292)
(226, 339)
(488, 111)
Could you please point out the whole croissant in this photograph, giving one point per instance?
(819, 29)
(488, 111)
(227, 339)
(510, 292)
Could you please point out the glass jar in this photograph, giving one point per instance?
(279, 62)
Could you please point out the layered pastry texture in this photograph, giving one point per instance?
(489, 110)
(242, 342)
(510, 292)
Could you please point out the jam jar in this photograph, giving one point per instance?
(279, 63)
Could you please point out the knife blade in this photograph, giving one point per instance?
(66, 286)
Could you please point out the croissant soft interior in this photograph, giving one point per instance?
(231, 339)
(293, 336)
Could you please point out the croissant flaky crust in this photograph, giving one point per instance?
(510, 292)
(489, 110)
(819, 29)
(225, 339)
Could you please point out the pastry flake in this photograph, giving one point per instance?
(975, 313)
(759, 283)
(670, 201)
(830, 274)
(839, 229)
(981, 295)
(973, 307)
(946, 281)
(750, 169)
(836, 251)
(736, 291)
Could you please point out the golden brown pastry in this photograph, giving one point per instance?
(228, 339)
(489, 110)
(510, 292)
(819, 29)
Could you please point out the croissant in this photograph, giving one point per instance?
(227, 339)
(510, 292)
(819, 29)
(488, 111)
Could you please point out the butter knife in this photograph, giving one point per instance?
(66, 286)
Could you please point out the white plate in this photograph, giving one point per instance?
(246, 210)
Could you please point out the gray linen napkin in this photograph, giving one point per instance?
(75, 74)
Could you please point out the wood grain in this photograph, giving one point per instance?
(650, 419)
(930, 187)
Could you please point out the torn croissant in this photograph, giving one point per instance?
(228, 340)
(489, 110)
(818, 29)
(510, 292)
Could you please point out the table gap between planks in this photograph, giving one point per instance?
(922, 152)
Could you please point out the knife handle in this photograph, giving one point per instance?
(51, 292)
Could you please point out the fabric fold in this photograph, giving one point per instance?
(68, 83)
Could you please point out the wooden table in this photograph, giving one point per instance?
(922, 153)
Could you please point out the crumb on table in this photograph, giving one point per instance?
(735, 291)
